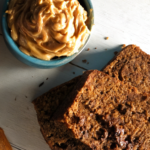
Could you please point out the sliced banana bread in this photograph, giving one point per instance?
(131, 65)
(45, 106)
(101, 113)
(47, 103)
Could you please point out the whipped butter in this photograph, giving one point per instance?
(48, 28)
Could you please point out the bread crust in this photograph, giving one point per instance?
(131, 65)
(4, 144)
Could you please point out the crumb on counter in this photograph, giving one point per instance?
(41, 84)
(87, 62)
(95, 47)
(88, 49)
(46, 78)
(123, 46)
(26, 96)
(106, 38)
(84, 61)
(73, 72)
(105, 49)
(115, 52)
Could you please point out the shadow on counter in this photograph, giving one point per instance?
(98, 59)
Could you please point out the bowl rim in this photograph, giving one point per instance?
(32, 61)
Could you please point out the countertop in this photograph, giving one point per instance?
(124, 22)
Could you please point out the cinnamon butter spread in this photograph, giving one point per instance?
(48, 28)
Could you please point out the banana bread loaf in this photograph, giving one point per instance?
(100, 113)
(4, 144)
(131, 65)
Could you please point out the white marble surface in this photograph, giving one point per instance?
(124, 22)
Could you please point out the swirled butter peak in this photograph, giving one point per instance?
(48, 28)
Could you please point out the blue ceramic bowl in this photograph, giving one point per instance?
(34, 62)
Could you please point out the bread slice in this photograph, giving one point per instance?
(131, 65)
(46, 105)
(100, 113)
(4, 144)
